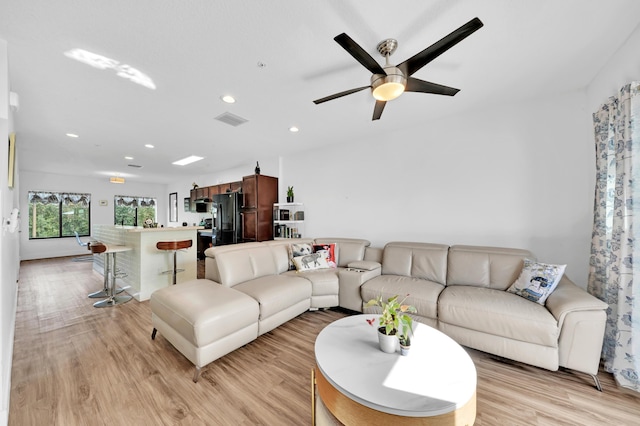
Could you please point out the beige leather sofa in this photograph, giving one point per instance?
(460, 290)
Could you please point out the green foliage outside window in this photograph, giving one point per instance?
(127, 209)
(55, 215)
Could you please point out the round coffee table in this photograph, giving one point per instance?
(434, 385)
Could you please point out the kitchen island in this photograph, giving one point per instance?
(141, 270)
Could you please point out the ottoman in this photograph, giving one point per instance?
(204, 320)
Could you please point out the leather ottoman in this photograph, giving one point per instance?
(204, 320)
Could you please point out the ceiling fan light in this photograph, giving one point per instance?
(388, 91)
(390, 86)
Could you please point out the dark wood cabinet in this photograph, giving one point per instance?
(259, 193)
(202, 192)
(214, 190)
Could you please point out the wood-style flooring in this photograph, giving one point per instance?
(77, 365)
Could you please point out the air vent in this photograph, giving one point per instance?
(135, 166)
(231, 119)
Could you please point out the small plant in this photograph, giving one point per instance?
(290, 191)
(395, 319)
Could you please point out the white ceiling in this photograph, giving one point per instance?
(198, 50)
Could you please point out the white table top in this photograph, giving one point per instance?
(437, 376)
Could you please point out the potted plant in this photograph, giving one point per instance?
(290, 194)
(394, 321)
(405, 344)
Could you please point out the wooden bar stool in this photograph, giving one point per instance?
(110, 269)
(99, 248)
(174, 246)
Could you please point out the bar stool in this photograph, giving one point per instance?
(174, 246)
(98, 248)
(110, 269)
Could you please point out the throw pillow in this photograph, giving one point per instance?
(310, 262)
(298, 249)
(328, 251)
(537, 280)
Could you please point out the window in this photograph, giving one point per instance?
(58, 214)
(133, 211)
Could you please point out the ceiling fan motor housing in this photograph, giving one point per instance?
(390, 86)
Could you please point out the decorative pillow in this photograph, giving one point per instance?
(310, 262)
(298, 249)
(328, 251)
(537, 280)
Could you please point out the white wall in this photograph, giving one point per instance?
(621, 69)
(99, 188)
(515, 176)
(8, 244)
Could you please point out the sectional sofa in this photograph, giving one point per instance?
(460, 290)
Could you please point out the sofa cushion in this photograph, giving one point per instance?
(537, 280)
(418, 260)
(199, 310)
(328, 251)
(310, 262)
(422, 294)
(238, 266)
(491, 267)
(323, 281)
(499, 313)
(275, 293)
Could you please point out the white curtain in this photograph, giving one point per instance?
(615, 256)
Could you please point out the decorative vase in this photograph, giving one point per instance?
(388, 343)
(257, 169)
(289, 199)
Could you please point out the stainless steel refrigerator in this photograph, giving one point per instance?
(227, 223)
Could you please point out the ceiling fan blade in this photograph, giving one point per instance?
(358, 53)
(339, 95)
(421, 59)
(377, 110)
(416, 85)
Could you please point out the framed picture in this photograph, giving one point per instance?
(12, 158)
(173, 207)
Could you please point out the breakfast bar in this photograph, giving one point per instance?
(144, 266)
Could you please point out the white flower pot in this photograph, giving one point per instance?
(388, 344)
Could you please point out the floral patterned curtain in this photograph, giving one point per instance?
(615, 261)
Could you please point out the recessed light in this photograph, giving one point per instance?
(228, 99)
(72, 135)
(128, 158)
(188, 160)
(293, 129)
(149, 146)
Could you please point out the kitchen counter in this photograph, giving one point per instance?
(144, 264)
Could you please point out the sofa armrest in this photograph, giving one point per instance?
(351, 280)
(363, 265)
(568, 297)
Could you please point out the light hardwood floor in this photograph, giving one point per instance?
(77, 365)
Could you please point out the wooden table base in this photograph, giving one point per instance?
(349, 412)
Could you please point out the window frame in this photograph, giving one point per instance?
(62, 198)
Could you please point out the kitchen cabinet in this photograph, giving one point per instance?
(259, 192)
(192, 196)
(202, 192)
(213, 190)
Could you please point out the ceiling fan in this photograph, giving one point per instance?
(389, 82)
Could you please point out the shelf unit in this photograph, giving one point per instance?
(288, 220)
